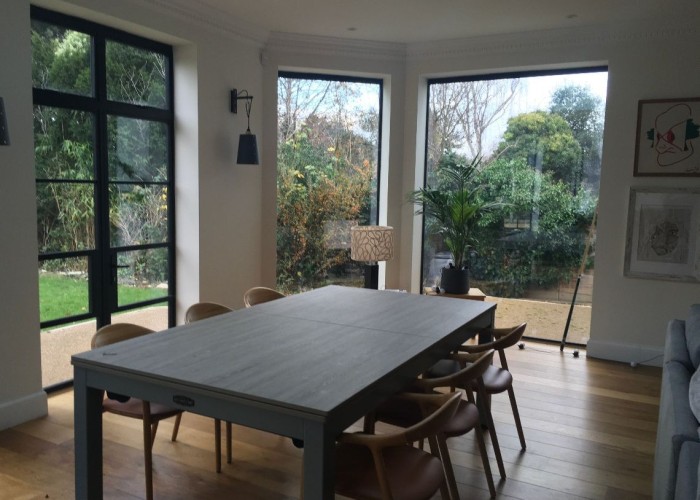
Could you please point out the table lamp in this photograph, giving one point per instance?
(371, 244)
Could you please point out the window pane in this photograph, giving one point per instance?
(138, 150)
(65, 216)
(539, 142)
(142, 275)
(63, 288)
(61, 59)
(63, 143)
(138, 214)
(136, 76)
(327, 167)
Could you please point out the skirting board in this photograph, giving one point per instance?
(625, 353)
(22, 410)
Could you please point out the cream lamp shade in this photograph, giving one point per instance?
(371, 243)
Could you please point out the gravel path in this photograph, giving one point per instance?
(545, 320)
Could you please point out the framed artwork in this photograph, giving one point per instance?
(663, 234)
(668, 138)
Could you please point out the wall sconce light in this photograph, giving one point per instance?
(4, 133)
(247, 144)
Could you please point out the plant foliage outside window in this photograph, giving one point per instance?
(540, 140)
(327, 171)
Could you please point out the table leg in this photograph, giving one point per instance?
(88, 438)
(319, 463)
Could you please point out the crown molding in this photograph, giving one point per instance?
(212, 18)
(331, 46)
(585, 36)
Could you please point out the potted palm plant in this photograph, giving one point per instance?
(452, 210)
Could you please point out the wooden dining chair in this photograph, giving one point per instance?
(403, 413)
(197, 312)
(150, 413)
(388, 466)
(499, 379)
(496, 379)
(203, 310)
(260, 294)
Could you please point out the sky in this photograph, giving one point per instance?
(536, 94)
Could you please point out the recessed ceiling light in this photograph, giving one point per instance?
(352, 29)
(572, 16)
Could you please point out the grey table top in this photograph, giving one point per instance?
(311, 352)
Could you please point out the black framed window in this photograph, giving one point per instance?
(328, 175)
(103, 129)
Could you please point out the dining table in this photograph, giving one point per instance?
(307, 366)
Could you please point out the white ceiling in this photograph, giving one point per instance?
(411, 21)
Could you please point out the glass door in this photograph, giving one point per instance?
(103, 124)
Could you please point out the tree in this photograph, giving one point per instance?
(583, 112)
(537, 235)
(462, 112)
(545, 141)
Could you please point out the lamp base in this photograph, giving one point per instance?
(372, 276)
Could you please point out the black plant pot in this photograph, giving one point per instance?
(455, 280)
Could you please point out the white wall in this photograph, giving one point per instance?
(21, 397)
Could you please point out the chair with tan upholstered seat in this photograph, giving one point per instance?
(150, 413)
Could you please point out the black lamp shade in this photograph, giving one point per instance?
(4, 133)
(247, 150)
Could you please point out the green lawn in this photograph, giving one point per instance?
(62, 296)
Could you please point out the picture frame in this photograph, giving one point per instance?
(668, 138)
(663, 234)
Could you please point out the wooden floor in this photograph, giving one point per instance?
(590, 427)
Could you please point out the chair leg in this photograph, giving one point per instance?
(368, 423)
(217, 443)
(229, 434)
(516, 416)
(154, 430)
(485, 460)
(435, 450)
(447, 468)
(494, 438)
(176, 427)
(148, 449)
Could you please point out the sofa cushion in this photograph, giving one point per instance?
(676, 425)
(694, 395)
(692, 334)
(687, 475)
(676, 346)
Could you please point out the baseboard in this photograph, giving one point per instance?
(22, 410)
(625, 353)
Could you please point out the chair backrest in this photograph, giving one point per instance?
(260, 294)
(461, 378)
(510, 339)
(203, 310)
(446, 405)
(111, 334)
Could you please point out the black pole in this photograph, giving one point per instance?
(571, 311)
